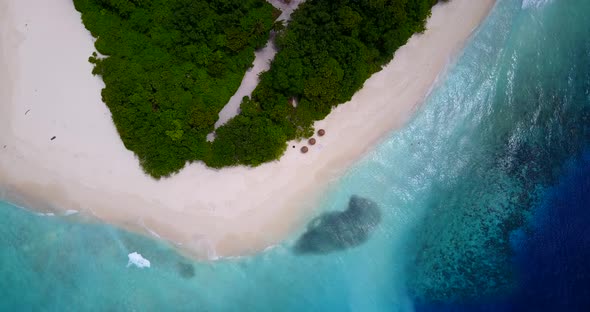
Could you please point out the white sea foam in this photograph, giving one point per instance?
(138, 260)
(70, 212)
(528, 4)
(152, 232)
(48, 214)
(206, 247)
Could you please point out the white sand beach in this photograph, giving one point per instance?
(47, 90)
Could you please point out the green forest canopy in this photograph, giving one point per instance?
(170, 66)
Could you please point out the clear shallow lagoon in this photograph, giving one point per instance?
(484, 197)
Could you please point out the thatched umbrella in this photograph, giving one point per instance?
(311, 141)
(304, 149)
(321, 132)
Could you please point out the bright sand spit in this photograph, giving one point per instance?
(46, 90)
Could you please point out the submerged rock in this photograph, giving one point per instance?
(186, 270)
(340, 230)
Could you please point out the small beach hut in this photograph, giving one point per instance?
(304, 149)
(311, 141)
(321, 132)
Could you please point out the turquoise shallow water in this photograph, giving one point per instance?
(457, 190)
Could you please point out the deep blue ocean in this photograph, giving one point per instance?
(482, 204)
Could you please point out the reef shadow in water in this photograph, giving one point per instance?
(334, 231)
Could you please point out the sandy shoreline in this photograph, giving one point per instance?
(47, 90)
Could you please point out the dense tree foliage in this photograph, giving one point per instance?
(325, 55)
(169, 66)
